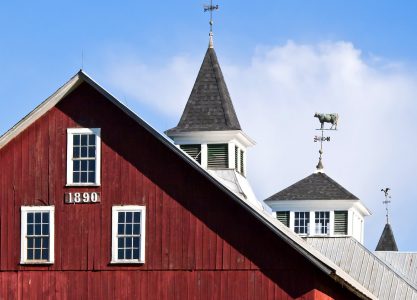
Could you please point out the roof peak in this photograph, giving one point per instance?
(387, 240)
(209, 107)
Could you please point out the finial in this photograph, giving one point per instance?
(386, 201)
(211, 8)
(319, 166)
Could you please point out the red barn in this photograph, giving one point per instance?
(95, 204)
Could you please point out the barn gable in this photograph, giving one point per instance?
(200, 237)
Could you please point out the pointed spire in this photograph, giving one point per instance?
(209, 107)
(387, 240)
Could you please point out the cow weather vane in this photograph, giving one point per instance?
(211, 8)
(333, 119)
(386, 201)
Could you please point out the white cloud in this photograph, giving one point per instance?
(276, 95)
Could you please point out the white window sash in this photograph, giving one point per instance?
(128, 208)
(70, 133)
(23, 239)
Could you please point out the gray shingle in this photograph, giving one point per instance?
(317, 186)
(209, 106)
(387, 240)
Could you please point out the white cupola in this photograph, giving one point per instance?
(319, 206)
(209, 130)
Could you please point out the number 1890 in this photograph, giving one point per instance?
(86, 197)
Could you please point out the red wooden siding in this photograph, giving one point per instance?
(200, 244)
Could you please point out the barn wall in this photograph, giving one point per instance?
(198, 240)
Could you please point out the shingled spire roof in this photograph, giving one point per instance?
(317, 186)
(387, 240)
(209, 107)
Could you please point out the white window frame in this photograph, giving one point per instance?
(128, 208)
(318, 218)
(307, 226)
(70, 133)
(23, 240)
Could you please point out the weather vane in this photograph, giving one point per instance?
(324, 118)
(211, 8)
(386, 201)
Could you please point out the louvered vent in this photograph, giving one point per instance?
(340, 222)
(193, 150)
(242, 169)
(236, 159)
(217, 156)
(284, 217)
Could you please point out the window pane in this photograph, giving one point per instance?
(91, 177)
(45, 229)
(76, 152)
(120, 229)
(30, 254)
(30, 242)
(129, 242)
(30, 217)
(76, 140)
(136, 217)
(121, 242)
(38, 229)
(84, 140)
(45, 217)
(83, 176)
(37, 217)
(91, 151)
(136, 229)
(30, 229)
(129, 229)
(92, 139)
(84, 164)
(128, 254)
(136, 253)
(121, 217)
(91, 165)
(76, 177)
(45, 254)
(136, 242)
(128, 217)
(37, 254)
(120, 254)
(83, 151)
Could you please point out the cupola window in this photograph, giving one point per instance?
(217, 156)
(322, 222)
(193, 150)
(301, 222)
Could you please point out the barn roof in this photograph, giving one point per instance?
(292, 239)
(317, 186)
(381, 279)
(209, 107)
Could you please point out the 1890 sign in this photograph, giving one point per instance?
(86, 197)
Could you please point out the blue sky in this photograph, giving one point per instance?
(282, 60)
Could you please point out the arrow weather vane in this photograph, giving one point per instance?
(386, 201)
(324, 118)
(211, 8)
